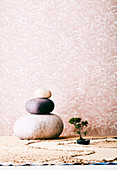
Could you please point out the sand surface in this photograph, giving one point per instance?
(62, 150)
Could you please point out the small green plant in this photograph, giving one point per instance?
(79, 126)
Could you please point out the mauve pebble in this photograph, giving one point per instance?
(39, 106)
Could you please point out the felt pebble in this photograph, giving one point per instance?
(39, 106)
(38, 126)
(42, 93)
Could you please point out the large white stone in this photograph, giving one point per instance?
(38, 126)
(42, 93)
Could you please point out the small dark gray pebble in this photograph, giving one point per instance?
(39, 106)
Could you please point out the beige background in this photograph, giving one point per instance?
(67, 46)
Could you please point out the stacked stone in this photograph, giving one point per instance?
(40, 123)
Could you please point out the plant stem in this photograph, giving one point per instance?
(80, 134)
(81, 137)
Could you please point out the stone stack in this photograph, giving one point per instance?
(40, 123)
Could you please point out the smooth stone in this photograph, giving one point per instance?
(42, 93)
(38, 126)
(39, 106)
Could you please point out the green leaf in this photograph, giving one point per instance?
(77, 132)
(71, 121)
(83, 123)
(85, 133)
(86, 123)
(74, 120)
(78, 119)
(78, 126)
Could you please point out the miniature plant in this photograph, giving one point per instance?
(79, 126)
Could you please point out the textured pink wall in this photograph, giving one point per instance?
(67, 46)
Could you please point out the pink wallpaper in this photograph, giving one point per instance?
(67, 46)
